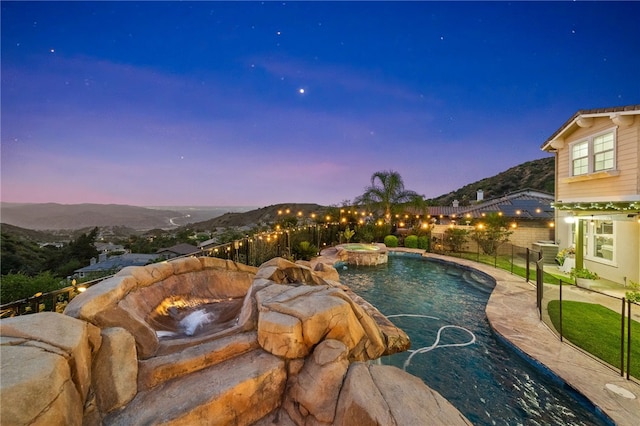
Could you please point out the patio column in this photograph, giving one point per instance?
(580, 244)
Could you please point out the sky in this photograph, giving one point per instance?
(260, 103)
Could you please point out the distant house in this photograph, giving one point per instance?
(176, 251)
(110, 248)
(114, 263)
(210, 243)
(529, 213)
(597, 205)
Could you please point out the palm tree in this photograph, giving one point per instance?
(386, 192)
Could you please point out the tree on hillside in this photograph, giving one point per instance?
(387, 192)
(20, 256)
(76, 254)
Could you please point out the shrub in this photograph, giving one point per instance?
(491, 234)
(305, 250)
(634, 294)
(366, 235)
(391, 241)
(455, 238)
(583, 273)
(423, 242)
(348, 233)
(21, 286)
(411, 241)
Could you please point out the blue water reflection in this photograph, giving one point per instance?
(486, 380)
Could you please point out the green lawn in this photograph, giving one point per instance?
(596, 329)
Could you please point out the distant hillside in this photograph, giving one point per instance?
(32, 235)
(537, 174)
(52, 216)
(255, 217)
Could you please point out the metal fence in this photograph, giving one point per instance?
(515, 259)
(597, 323)
(251, 250)
(602, 325)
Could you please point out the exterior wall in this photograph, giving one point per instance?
(625, 186)
(523, 236)
(627, 265)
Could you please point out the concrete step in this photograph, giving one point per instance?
(238, 391)
(154, 371)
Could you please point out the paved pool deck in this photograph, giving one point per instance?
(512, 313)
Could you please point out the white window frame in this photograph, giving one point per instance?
(591, 154)
(591, 238)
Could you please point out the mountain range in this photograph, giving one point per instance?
(537, 174)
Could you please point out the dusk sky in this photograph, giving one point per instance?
(259, 103)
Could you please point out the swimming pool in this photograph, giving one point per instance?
(454, 350)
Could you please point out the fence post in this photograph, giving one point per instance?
(539, 285)
(628, 337)
(560, 312)
(37, 302)
(527, 265)
(622, 340)
(512, 257)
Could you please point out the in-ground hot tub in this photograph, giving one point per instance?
(363, 254)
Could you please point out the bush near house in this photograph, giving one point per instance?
(583, 273)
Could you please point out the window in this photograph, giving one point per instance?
(594, 154)
(600, 240)
(580, 158)
(603, 152)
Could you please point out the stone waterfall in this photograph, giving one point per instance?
(285, 343)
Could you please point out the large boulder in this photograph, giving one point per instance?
(46, 368)
(386, 395)
(294, 319)
(314, 391)
(115, 370)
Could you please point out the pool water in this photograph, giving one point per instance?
(360, 247)
(453, 349)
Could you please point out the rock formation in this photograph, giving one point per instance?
(283, 344)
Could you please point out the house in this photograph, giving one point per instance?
(109, 248)
(528, 212)
(177, 251)
(597, 190)
(113, 264)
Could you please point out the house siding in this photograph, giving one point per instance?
(624, 186)
(627, 263)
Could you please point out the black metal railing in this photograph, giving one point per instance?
(252, 250)
(599, 324)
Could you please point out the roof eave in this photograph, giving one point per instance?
(582, 115)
